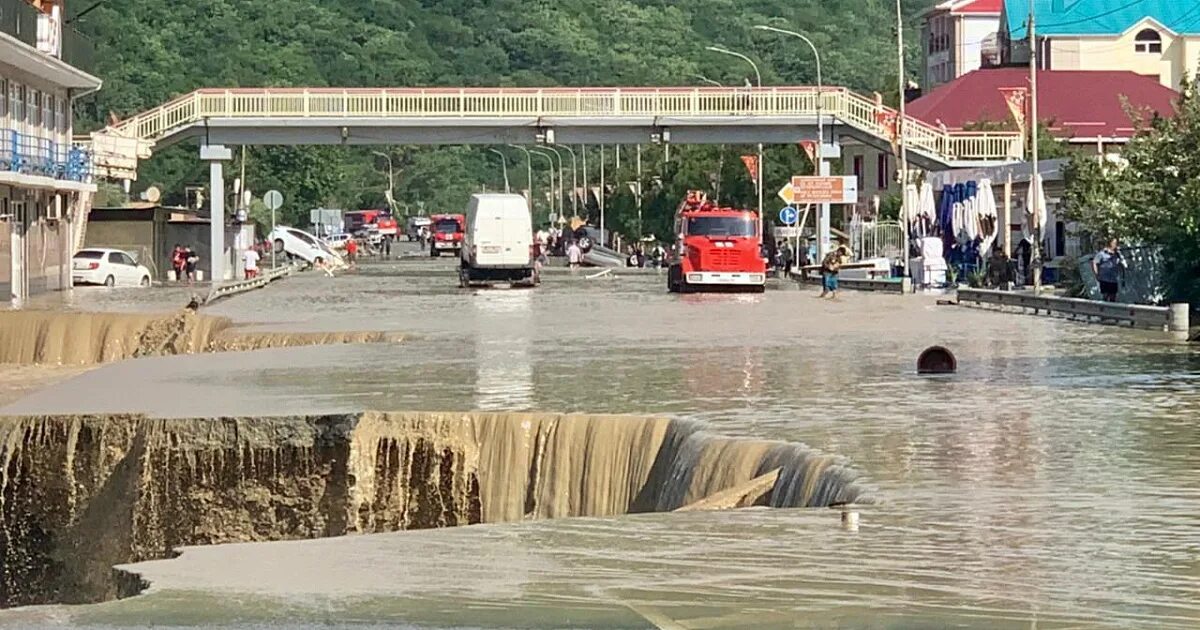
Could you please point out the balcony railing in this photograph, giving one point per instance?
(32, 155)
(19, 19)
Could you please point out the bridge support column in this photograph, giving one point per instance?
(216, 156)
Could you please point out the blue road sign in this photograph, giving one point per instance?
(788, 216)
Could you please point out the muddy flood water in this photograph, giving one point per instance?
(1053, 482)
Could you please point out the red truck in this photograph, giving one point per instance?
(718, 249)
(446, 233)
(381, 219)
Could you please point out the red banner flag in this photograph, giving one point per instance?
(810, 149)
(751, 162)
(1017, 100)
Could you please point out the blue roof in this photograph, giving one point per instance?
(1101, 17)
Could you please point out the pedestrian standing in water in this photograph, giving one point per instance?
(352, 251)
(1107, 266)
(574, 255)
(830, 267)
(190, 260)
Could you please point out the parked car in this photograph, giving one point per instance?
(498, 246)
(109, 267)
(413, 228)
(305, 246)
(337, 242)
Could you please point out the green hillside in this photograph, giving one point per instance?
(151, 50)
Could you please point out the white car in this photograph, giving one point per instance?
(305, 246)
(109, 267)
(337, 242)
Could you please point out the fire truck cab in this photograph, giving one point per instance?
(718, 249)
(447, 234)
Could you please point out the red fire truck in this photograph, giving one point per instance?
(362, 219)
(718, 249)
(446, 233)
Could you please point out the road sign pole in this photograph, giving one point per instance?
(273, 200)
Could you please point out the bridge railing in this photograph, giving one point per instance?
(838, 103)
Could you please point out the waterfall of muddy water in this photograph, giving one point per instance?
(74, 338)
(81, 494)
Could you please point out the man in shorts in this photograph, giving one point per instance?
(1107, 266)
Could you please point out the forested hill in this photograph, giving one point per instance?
(151, 50)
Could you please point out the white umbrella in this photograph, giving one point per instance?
(971, 219)
(926, 209)
(1027, 230)
(911, 202)
(960, 219)
(989, 227)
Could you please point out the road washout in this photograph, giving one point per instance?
(82, 338)
(81, 494)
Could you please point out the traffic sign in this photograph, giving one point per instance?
(785, 193)
(788, 215)
(273, 199)
(817, 189)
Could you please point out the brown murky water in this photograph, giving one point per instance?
(1053, 482)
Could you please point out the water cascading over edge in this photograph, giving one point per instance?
(79, 494)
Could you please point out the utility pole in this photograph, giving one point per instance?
(639, 190)
(603, 192)
(587, 193)
(901, 124)
(1035, 250)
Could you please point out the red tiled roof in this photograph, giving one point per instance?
(981, 6)
(1076, 103)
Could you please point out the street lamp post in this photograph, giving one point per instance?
(574, 179)
(822, 168)
(758, 80)
(542, 151)
(901, 131)
(721, 157)
(528, 172)
(391, 191)
(504, 165)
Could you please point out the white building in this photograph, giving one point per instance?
(959, 36)
(45, 180)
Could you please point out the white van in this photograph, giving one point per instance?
(498, 245)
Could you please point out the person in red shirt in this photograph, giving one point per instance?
(352, 251)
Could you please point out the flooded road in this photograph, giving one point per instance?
(1053, 482)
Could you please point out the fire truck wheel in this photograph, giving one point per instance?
(675, 279)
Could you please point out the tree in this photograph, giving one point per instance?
(1152, 195)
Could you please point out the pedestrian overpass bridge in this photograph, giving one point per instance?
(374, 116)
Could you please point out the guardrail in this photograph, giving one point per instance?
(836, 102)
(1173, 318)
(901, 286)
(229, 289)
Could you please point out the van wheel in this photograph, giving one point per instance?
(110, 281)
(145, 281)
(278, 246)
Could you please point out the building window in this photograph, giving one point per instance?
(33, 100)
(881, 173)
(16, 102)
(860, 171)
(3, 97)
(1148, 41)
(60, 105)
(48, 113)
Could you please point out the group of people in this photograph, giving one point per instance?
(183, 261)
(636, 256)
